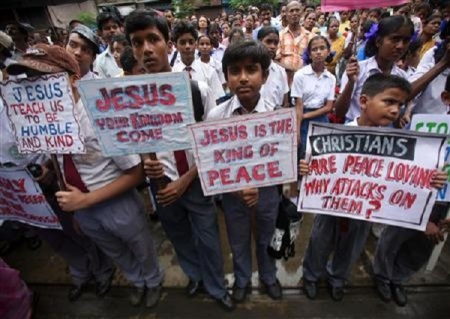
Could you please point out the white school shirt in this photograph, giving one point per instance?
(314, 90)
(105, 65)
(167, 159)
(217, 53)
(217, 65)
(203, 72)
(94, 168)
(276, 85)
(233, 107)
(429, 101)
(366, 69)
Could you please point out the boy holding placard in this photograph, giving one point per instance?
(381, 99)
(246, 68)
(187, 216)
(101, 191)
(401, 252)
(80, 252)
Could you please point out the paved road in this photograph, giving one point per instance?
(360, 302)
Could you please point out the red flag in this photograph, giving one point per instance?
(344, 5)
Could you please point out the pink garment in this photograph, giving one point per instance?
(15, 297)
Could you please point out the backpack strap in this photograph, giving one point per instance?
(199, 109)
(174, 57)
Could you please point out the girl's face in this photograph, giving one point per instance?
(202, 23)
(432, 27)
(319, 51)
(310, 21)
(204, 46)
(236, 37)
(333, 28)
(117, 51)
(394, 45)
(354, 23)
(321, 20)
(271, 41)
(226, 30)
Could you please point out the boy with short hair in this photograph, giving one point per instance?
(187, 216)
(129, 63)
(401, 252)
(185, 36)
(108, 25)
(246, 68)
(381, 100)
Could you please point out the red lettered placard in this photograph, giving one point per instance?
(246, 151)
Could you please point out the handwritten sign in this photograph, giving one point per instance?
(246, 151)
(21, 199)
(42, 114)
(439, 124)
(379, 175)
(140, 114)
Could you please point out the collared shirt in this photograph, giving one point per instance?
(291, 48)
(94, 168)
(314, 90)
(273, 23)
(167, 159)
(204, 73)
(217, 65)
(90, 76)
(429, 101)
(218, 52)
(276, 85)
(105, 65)
(366, 68)
(233, 107)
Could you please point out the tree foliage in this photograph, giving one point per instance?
(256, 3)
(87, 19)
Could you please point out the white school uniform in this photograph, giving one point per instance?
(105, 65)
(429, 101)
(366, 68)
(314, 90)
(276, 85)
(217, 65)
(217, 53)
(204, 73)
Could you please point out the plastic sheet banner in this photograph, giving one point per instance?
(41, 111)
(21, 199)
(439, 124)
(373, 174)
(246, 151)
(140, 114)
(344, 5)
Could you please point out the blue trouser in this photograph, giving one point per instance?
(401, 252)
(120, 229)
(328, 236)
(191, 225)
(305, 125)
(238, 219)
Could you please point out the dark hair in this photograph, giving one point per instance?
(331, 19)
(201, 36)
(385, 28)
(127, 59)
(423, 6)
(441, 48)
(431, 17)
(414, 46)
(329, 58)
(265, 31)
(309, 13)
(120, 38)
(208, 23)
(266, 7)
(233, 31)
(447, 84)
(214, 27)
(241, 50)
(104, 17)
(142, 19)
(379, 12)
(184, 27)
(380, 82)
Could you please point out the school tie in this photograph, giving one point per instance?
(182, 162)
(71, 173)
(188, 69)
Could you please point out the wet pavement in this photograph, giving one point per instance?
(46, 273)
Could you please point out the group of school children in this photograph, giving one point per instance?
(102, 214)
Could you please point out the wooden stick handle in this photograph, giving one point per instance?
(61, 183)
(160, 183)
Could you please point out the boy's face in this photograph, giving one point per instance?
(383, 108)
(186, 46)
(215, 37)
(117, 51)
(150, 50)
(245, 79)
(445, 97)
(81, 51)
(110, 29)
